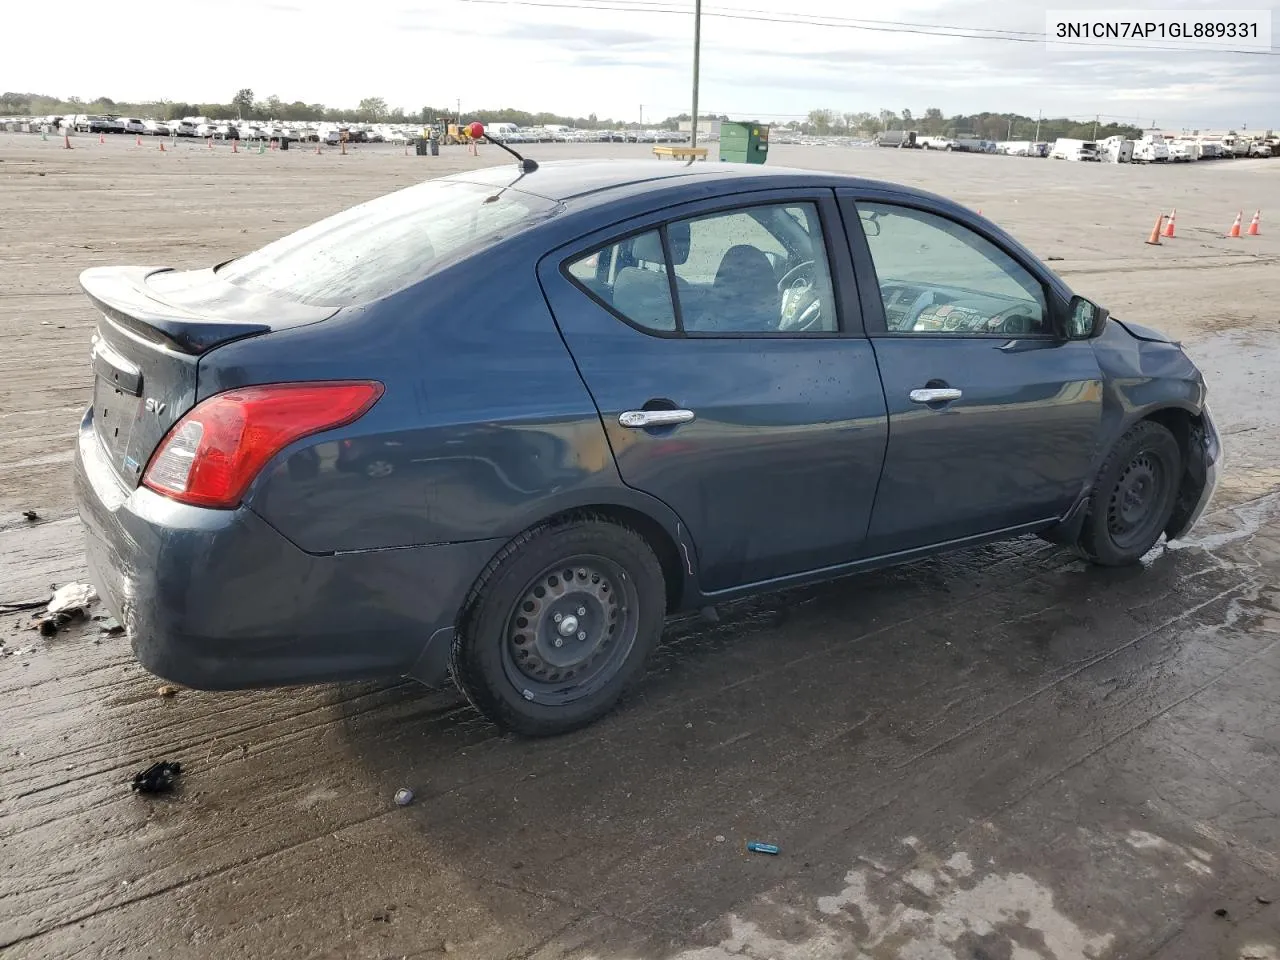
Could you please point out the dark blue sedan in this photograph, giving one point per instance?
(500, 425)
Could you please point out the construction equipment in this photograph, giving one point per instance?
(450, 133)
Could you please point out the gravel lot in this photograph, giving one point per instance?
(998, 754)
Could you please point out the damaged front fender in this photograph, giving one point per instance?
(1200, 475)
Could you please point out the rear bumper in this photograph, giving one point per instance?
(219, 600)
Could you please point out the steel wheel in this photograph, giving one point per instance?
(574, 624)
(1133, 496)
(558, 624)
(1132, 509)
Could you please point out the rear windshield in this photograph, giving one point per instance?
(387, 244)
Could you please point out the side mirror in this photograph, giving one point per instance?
(1085, 319)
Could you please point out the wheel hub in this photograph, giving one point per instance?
(1134, 497)
(565, 624)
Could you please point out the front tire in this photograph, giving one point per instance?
(1133, 497)
(558, 625)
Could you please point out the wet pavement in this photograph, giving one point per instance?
(1003, 754)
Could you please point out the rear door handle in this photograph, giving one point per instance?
(935, 395)
(640, 419)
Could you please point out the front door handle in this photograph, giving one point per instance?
(935, 395)
(641, 419)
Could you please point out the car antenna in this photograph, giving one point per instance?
(476, 131)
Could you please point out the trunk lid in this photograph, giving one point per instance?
(155, 326)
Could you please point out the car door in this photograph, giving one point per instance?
(993, 414)
(723, 345)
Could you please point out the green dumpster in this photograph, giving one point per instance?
(744, 142)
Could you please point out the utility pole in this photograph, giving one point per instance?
(697, 52)
(1009, 135)
(642, 116)
(1038, 112)
(459, 110)
(1095, 125)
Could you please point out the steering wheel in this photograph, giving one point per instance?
(1013, 321)
(925, 299)
(801, 304)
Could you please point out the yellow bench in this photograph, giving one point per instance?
(681, 153)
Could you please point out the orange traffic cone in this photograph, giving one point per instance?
(317, 148)
(66, 145)
(235, 146)
(102, 138)
(1253, 224)
(137, 140)
(1154, 239)
(162, 146)
(1235, 227)
(211, 143)
(1169, 228)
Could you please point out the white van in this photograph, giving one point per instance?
(1018, 148)
(1064, 148)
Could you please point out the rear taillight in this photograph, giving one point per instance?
(210, 456)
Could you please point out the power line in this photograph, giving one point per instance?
(730, 12)
(958, 32)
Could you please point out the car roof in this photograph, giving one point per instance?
(609, 180)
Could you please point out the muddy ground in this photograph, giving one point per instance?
(1002, 754)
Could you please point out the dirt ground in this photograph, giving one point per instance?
(1001, 754)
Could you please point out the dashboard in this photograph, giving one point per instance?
(911, 306)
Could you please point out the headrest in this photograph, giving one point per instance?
(648, 246)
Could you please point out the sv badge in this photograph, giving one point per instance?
(154, 406)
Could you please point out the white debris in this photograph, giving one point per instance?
(71, 597)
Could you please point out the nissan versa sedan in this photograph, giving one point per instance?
(498, 426)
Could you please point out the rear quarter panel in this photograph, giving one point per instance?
(485, 421)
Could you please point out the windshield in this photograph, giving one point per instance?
(385, 245)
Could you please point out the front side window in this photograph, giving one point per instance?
(940, 278)
(757, 270)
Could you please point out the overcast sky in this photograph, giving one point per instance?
(609, 62)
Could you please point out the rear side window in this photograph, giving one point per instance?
(757, 270)
(385, 245)
(631, 277)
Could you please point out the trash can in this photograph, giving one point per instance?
(744, 142)
(284, 143)
(435, 146)
(420, 147)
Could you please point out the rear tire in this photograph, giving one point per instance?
(1133, 497)
(558, 625)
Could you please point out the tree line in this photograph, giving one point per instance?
(821, 122)
(246, 106)
(985, 125)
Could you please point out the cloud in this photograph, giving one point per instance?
(577, 37)
(589, 60)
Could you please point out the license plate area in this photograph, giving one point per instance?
(114, 414)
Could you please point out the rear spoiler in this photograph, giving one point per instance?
(122, 293)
